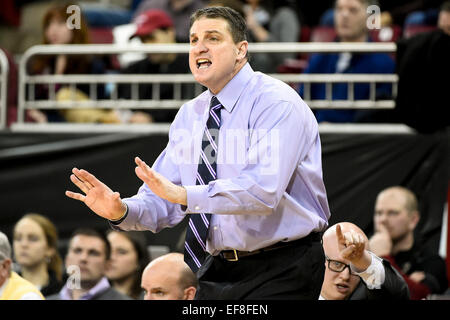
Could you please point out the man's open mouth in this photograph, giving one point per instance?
(203, 63)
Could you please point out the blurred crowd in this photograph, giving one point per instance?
(115, 265)
(420, 28)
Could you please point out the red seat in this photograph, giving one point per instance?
(101, 35)
(415, 29)
(322, 34)
(386, 34)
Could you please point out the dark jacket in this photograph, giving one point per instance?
(393, 288)
(423, 66)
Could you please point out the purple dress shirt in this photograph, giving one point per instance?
(102, 285)
(269, 185)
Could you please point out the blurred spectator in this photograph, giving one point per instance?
(444, 17)
(35, 243)
(107, 14)
(422, 63)
(56, 31)
(233, 4)
(281, 26)
(129, 257)
(169, 278)
(86, 262)
(368, 277)
(13, 286)
(156, 27)
(178, 10)
(396, 217)
(397, 12)
(350, 25)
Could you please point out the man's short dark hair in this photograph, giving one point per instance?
(445, 6)
(93, 233)
(236, 23)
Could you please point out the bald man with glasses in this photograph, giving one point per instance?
(352, 272)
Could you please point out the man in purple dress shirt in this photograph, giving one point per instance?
(266, 207)
(86, 262)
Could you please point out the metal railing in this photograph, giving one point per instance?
(4, 71)
(27, 83)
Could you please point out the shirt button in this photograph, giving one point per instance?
(197, 208)
(215, 228)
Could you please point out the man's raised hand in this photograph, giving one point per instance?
(98, 196)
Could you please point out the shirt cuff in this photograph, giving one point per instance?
(374, 275)
(117, 222)
(197, 199)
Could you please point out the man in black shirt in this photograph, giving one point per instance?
(396, 217)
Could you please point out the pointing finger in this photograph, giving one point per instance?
(339, 235)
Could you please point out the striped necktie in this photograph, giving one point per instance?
(197, 230)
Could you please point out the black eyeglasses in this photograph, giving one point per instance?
(338, 266)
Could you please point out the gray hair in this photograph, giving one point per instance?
(5, 247)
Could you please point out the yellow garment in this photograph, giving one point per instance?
(84, 115)
(17, 287)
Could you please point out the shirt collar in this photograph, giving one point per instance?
(229, 95)
(102, 285)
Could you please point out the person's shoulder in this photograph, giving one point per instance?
(54, 296)
(111, 294)
(272, 90)
(141, 67)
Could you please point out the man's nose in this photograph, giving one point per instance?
(199, 47)
(346, 273)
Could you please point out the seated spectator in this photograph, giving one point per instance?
(233, 4)
(155, 26)
(368, 277)
(281, 26)
(444, 18)
(35, 243)
(86, 262)
(396, 217)
(129, 257)
(350, 25)
(178, 10)
(56, 31)
(397, 12)
(422, 63)
(13, 286)
(169, 278)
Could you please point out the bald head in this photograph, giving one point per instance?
(402, 196)
(339, 285)
(169, 278)
(330, 242)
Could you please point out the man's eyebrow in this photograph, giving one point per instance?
(208, 32)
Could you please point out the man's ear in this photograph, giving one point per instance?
(242, 48)
(189, 293)
(415, 217)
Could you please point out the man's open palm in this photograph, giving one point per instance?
(98, 196)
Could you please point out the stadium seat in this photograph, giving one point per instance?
(386, 34)
(101, 35)
(412, 30)
(322, 34)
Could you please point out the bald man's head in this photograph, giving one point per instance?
(338, 285)
(169, 278)
(397, 209)
(330, 243)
